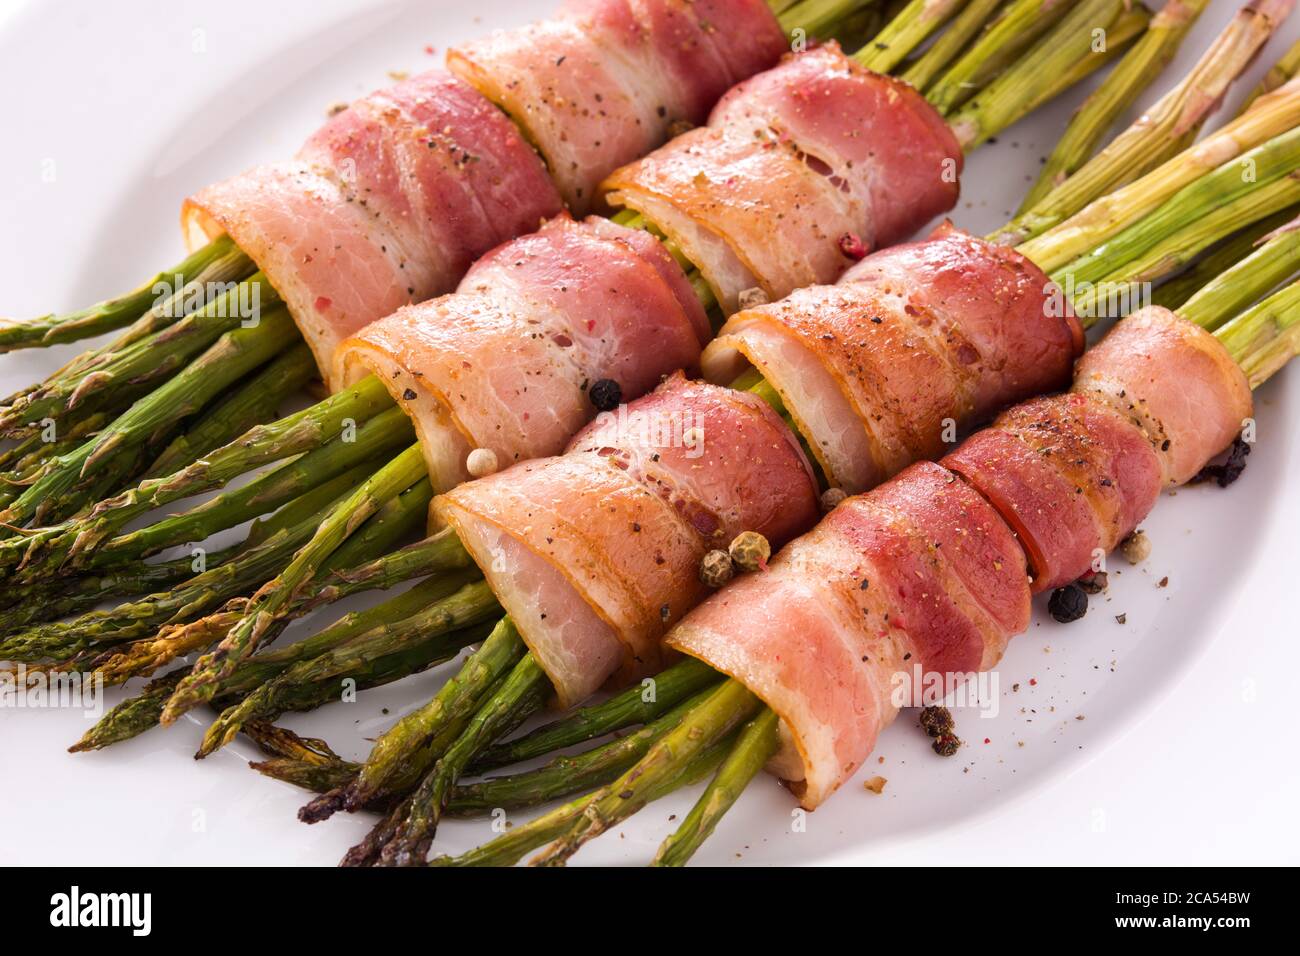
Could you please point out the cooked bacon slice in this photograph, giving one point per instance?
(1176, 382)
(604, 81)
(390, 202)
(1152, 403)
(796, 164)
(596, 553)
(926, 570)
(921, 572)
(507, 361)
(914, 342)
(1071, 475)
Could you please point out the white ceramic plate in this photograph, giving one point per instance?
(1163, 739)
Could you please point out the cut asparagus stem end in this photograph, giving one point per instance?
(1263, 339)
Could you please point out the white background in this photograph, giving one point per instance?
(1185, 755)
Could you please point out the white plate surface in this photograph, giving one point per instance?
(1166, 739)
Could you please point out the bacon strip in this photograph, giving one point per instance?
(507, 361)
(929, 569)
(390, 202)
(913, 344)
(921, 572)
(604, 81)
(797, 165)
(596, 553)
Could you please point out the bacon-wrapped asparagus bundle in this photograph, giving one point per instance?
(997, 375)
(936, 567)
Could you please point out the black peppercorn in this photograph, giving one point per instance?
(936, 721)
(1068, 603)
(945, 745)
(606, 395)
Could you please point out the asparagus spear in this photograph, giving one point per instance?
(274, 597)
(256, 401)
(753, 748)
(1202, 206)
(950, 43)
(1144, 62)
(1234, 289)
(1147, 144)
(1011, 33)
(471, 604)
(706, 725)
(518, 695)
(1282, 71)
(913, 25)
(382, 434)
(565, 775)
(671, 687)
(1172, 252)
(261, 445)
(144, 361)
(1224, 255)
(232, 356)
(49, 600)
(209, 589)
(509, 848)
(400, 757)
(138, 714)
(218, 261)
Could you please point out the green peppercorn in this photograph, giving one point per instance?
(750, 551)
(716, 569)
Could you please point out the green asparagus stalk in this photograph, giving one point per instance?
(190, 600)
(1237, 288)
(519, 695)
(1282, 72)
(142, 713)
(1265, 337)
(382, 434)
(261, 445)
(1007, 98)
(950, 43)
(232, 356)
(913, 25)
(1011, 33)
(679, 682)
(218, 261)
(138, 714)
(753, 748)
(1127, 27)
(1222, 257)
(255, 402)
(146, 360)
(400, 757)
(307, 775)
(49, 600)
(565, 775)
(817, 18)
(706, 725)
(1147, 144)
(274, 597)
(509, 848)
(471, 604)
(381, 533)
(1139, 68)
(1274, 166)
(1175, 250)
